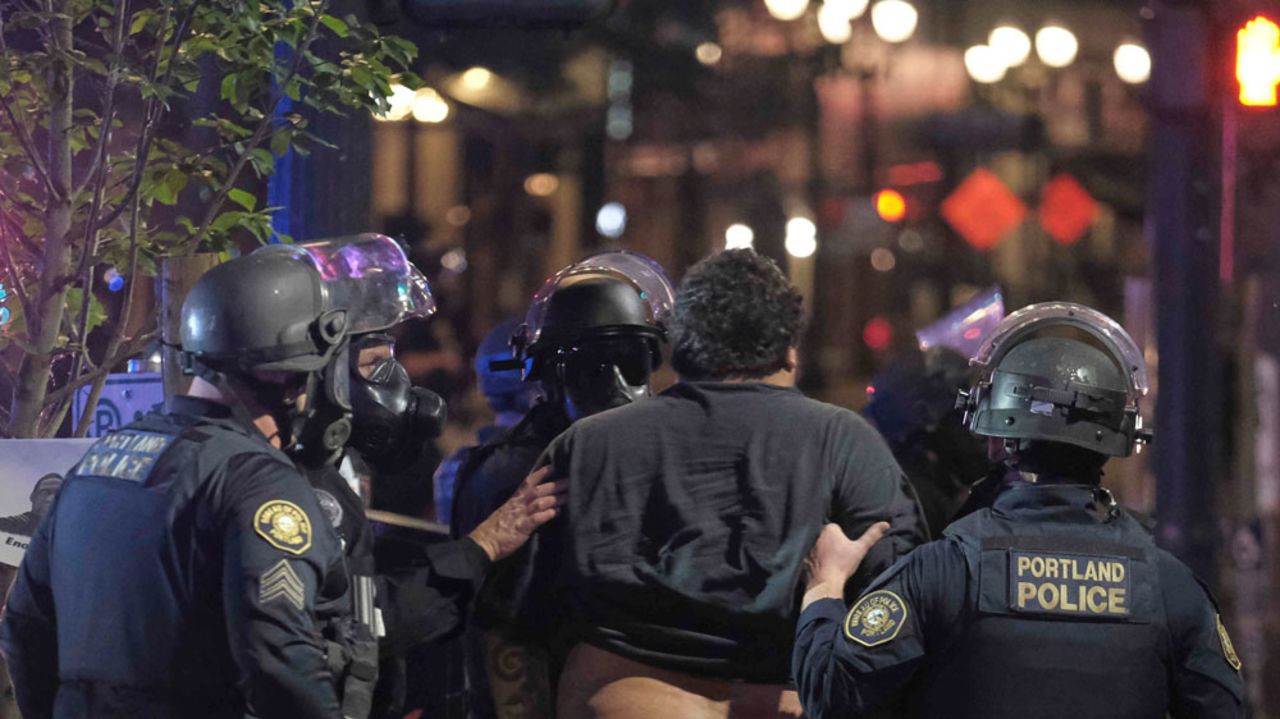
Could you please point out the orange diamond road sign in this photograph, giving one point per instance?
(982, 210)
(1067, 210)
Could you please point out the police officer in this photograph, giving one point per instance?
(507, 395)
(591, 340)
(913, 404)
(403, 604)
(186, 568)
(1054, 602)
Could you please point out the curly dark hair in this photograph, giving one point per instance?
(736, 315)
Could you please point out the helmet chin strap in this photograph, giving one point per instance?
(233, 390)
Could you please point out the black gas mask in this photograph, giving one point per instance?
(392, 418)
(322, 425)
(597, 375)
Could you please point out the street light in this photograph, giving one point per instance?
(739, 237)
(477, 78)
(1133, 63)
(894, 20)
(429, 107)
(1011, 43)
(708, 53)
(985, 64)
(850, 9)
(1056, 46)
(401, 104)
(786, 9)
(611, 220)
(834, 24)
(802, 237)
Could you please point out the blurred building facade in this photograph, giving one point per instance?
(677, 129)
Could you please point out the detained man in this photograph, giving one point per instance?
(690, 515)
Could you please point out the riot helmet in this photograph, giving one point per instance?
(370, 275)
(593, 332)
(912, 402)
(504, 389)
(293, 309)
(271, 312)
(1059, 373)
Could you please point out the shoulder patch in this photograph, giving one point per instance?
(284, 525)
(281, 582)
(876, 618)
(331, 506)
(1228, 650)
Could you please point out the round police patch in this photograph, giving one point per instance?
(330, 506)
(284, 525)
(876, 618)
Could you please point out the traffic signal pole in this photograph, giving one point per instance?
(1182, 235)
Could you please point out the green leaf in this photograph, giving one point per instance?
(280, 142)
(264, 163)
(140, 20)
(97, 313)
(167, 189)
(227, 91)
(338, 27)
(243, 199)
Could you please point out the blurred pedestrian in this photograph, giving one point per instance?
(913, 404)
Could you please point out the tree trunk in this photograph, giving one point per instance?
(43, 328)
(177, 276)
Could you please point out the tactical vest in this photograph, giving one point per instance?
(181, 655)
(1062, 620)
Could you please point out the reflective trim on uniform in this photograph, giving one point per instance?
(1228, 650)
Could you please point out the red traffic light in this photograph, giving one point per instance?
(1258, 62)
(877, 333)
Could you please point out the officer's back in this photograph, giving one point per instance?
(181, 572)
(136, 562)
(1053, 602)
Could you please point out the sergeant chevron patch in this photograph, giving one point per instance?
(281, 582)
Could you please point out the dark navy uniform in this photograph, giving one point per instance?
(183, 572)
(491, 473)
(1043, 605)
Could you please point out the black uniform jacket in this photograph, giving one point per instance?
(183, 572)
(1043, 605)
(689, 518)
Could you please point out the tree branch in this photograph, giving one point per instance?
(133, 346)
(152, 114)
(108, 103)
(18, 287)
(19, 127)
(259, 133)
(88, 247)
(112, 355)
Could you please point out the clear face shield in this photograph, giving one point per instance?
(1036, 318)
(370, 279)
(642, 273)
(964, 328)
